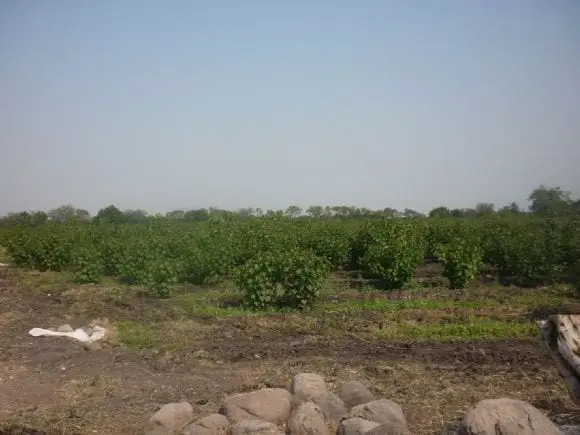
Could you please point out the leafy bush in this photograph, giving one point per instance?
(527, 248)
(392, 250)
(290, 279)
(258, 281)
(161, 276)
(87, 266)
(331, 241)
(462, 258)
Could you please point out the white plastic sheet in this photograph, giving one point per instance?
(78, 334)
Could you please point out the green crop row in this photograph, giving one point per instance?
(283, 261)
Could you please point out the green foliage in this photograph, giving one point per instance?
(291, 279)
(461, 255)
(161, 276)
(302, 275)
(528, 248)
(392, 250)
(332, 241)
(46, 247)
(87, 265)
(258, 281)
(279, 260)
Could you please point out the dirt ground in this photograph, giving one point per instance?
(55, 386)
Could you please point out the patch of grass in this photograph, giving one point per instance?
(208, 303)
(161, 335)
(476, 329)
(4, 258)
(42, 283)
(384, 305)
(140, 335)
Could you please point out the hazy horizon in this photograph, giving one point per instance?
(185, 105)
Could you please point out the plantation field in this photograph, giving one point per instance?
(434, 314)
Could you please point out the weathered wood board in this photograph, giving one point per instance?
(561, 336)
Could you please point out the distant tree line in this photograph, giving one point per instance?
(542, 201)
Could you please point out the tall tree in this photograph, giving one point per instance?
(484, 209)
(440, 212)
(549, 200)
(110, 214)
(64, 213)
(293, 211)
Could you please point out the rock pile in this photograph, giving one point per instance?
(308, 407)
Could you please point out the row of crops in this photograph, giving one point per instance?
(284, 261)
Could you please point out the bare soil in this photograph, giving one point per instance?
(55, 386)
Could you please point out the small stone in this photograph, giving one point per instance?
(201, 354)
(64, 328)
(91, 346)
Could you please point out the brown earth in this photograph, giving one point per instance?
(55, 386)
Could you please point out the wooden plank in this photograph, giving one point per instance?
(561, 336)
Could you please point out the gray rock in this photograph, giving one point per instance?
(355, 426)
(384, 412)
(355, 393)
(570, 429)
(331, 405)
(305, 386)
(507, 417)
(92, 346)
(308, 419)
(389, 429)
(196, 429)
(269, 404)
(64, 328)
(255, 427)
(169, 419)
(311, 387)
(211, 425)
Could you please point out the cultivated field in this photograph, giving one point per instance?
(433, 314)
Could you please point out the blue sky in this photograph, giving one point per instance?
(187, 104)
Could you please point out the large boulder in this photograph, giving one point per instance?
(255, 427)
(308, 419)
(506, 417)
(355, 426)
(355, 393)
(311, 387)
(169, 419)
(384, 412)
(269, 404)
(210, 425)
(305, 386)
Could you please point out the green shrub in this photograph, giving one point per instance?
(291, 279)
(392, 250)
(462, 260)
